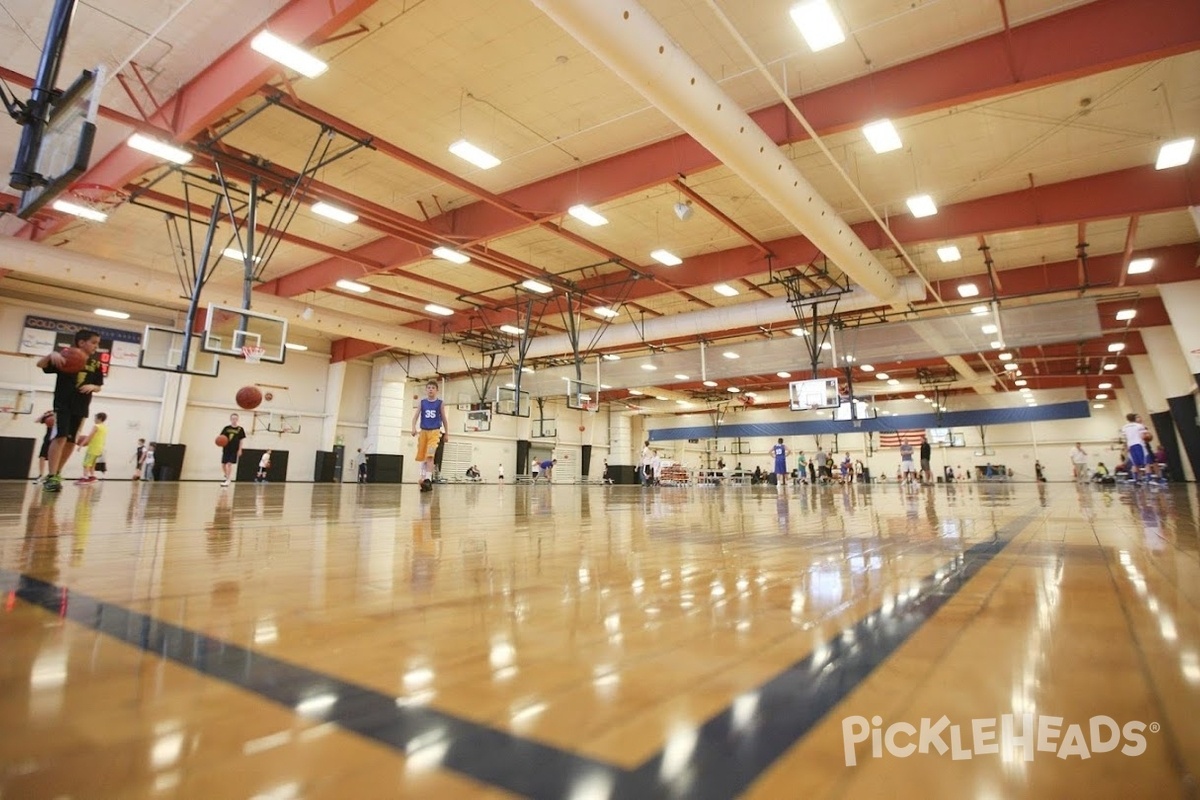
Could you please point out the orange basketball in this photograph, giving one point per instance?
(222, 440)
(74, 360)
(249, 397)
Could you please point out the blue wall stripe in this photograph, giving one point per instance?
(948, 419)
(731, 751)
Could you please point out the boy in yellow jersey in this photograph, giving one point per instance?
(94, 442)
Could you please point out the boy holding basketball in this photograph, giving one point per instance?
(231, 451)
(72, 397)
(432, 417)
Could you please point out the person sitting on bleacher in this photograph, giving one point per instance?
(1101, 475)
(473, 473)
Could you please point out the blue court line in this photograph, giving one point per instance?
(729, 752)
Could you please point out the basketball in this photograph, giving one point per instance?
(222, 440)
(74, 360)
(582, 428)
(249, 397)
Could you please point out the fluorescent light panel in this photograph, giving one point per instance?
(784, 374)
(949, 253)
(288, 54)
(979, 309)
(236, 255)
(475, 155)
(921, 205)
(817, 24)
(434, 308)
(968, 290)
(587, 216)
(726, 290)
(606, 312)
(611, 357)
(665, 257)
(334, 213)
(158, 148)
(79, 211)
(1140, 265)
(104, 312)
(512, 329)
(446, 254)
(1175, 153)
(1126, 314)
(296, 347)
(537, 286)
(882, 136)
(353, 286)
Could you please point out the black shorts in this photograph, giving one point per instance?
(230, 454)
(45, 451)
(66, 424)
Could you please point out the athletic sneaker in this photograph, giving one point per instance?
(52, 484)
(224, 483)
(427, 485)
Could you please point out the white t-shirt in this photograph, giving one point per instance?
(1078, 456)
(1133, 433)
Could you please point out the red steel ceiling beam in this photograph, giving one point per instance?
(350, 349)
(1086, 40)
(224, 83)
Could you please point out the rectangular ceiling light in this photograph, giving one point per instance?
(236, 255)
(451, 255)
(882, 136)
(817, 24)
(611, 357)
(1140, 265)
(288, 54)
(434, 308)
(948, 254)
(294, 346)
(606, 312)
(664, 257)
(921, 205)
(1126, 314)
(978, 309)
(1175, 154)
(79, 211)
(1116, 347)
(334, 213)
(162, 150)
(586, 215)
(104, 312)
(968, 290)
(352, 286)
(469, 152)
(989, 329)
(726, 290)
(513, 330)
(537, 286)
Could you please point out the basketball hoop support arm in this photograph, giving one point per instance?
(23, 176)
(201, 272)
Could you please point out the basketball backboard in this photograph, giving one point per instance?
(509, 404)
(477, 420)
(66, 147)
(582, 396)
(163, 349)
(227, 330)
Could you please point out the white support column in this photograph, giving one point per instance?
(1163, 350)
(385, 425)
(176, 390)
(620, 438)
(1181, 301)
(1147, 384)
(335, 381)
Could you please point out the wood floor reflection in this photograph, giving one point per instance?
(183, 640)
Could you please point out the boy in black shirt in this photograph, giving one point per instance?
(72, 398)
(232, 450)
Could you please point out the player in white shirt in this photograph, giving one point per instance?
(1079, 463)
(1135, 434)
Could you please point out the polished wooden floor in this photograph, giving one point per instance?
(588, 642)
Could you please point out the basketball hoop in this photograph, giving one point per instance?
(253, 353)
(90, 200)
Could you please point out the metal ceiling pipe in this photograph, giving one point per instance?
(772, 311)
(116, 279)
(632, 44)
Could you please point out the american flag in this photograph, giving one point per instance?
(897, 438)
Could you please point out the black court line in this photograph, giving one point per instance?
(728, 753)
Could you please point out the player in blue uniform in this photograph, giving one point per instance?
(781, 453)
(431, 415)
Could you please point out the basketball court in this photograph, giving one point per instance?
(322, 641)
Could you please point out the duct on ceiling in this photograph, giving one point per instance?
(633, 45)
